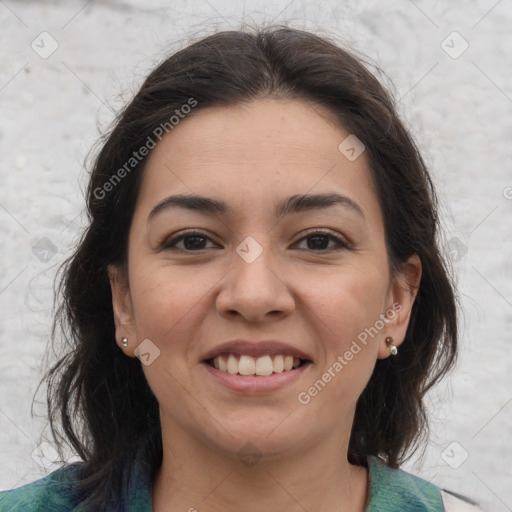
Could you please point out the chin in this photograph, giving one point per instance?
(261, 440)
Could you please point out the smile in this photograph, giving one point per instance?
(262, 366)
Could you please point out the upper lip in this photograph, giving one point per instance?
(254, 349)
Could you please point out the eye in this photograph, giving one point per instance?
(192, 241)
(319, 240)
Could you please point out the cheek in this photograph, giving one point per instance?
(163, 295)
(169, 310)
(347, 301)
(347, 312)
(170, 304)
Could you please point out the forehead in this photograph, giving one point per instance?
(259, 129)
(256, 152)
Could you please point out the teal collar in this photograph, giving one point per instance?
(393, 490)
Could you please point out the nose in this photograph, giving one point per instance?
(255, 290)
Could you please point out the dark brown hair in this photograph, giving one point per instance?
(98, 399)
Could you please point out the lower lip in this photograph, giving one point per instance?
(255, 384)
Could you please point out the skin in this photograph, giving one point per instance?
(188, 301)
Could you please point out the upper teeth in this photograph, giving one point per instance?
(248, 365)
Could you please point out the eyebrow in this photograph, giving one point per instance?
(294, 204)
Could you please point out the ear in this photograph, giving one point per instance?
(123, 308)
(402, 293)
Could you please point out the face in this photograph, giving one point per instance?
(303, 279)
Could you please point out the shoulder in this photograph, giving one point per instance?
(397, 490)
(54, 492)
(121, 484)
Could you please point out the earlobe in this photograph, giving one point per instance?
(403, 291)
(122, 307)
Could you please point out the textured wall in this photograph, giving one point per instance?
(450, 66)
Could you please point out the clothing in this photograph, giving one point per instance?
(390, 490)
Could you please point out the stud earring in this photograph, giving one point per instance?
(124, 341)
(392, 348)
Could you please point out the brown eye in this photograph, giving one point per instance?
(319, 240)
(192, 241)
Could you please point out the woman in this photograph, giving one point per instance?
(259, 303)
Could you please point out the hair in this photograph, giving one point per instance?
(98, 399)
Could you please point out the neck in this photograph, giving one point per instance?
(194, 476)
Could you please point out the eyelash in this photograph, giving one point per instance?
(170, 242)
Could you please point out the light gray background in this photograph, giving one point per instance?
(459, 108)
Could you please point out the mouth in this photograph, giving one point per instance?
(262, 366)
